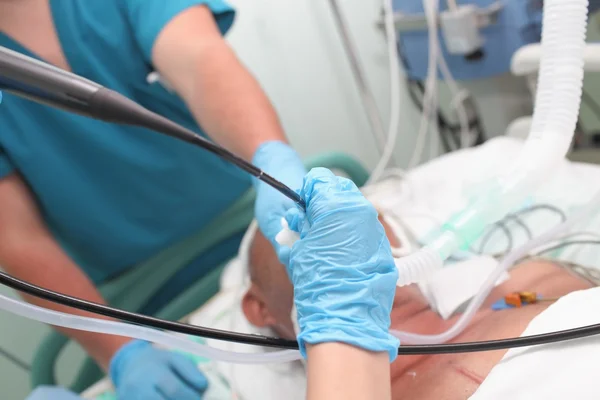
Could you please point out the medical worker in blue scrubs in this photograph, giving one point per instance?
(83, 200)
(344, 279)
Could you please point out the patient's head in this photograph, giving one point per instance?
(269, 300)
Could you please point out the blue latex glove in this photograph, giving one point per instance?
(342, 267)
(52, 393)
(283, 163)
(140, 371)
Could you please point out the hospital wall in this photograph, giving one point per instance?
(294, 50)
(590, 116)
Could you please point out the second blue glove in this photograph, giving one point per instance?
(140, 371)
(283, 163)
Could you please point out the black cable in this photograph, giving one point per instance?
(503, 344)
(489, 235)
(15, 361)
(140, 319)
(466, 347)
(548, 207)
(516, 219)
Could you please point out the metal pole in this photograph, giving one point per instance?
(366, 96)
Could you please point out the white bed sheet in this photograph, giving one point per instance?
(565, 370)
(433, 192)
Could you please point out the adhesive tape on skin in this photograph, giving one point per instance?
(286, 237)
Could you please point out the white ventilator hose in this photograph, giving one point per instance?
(556, 109)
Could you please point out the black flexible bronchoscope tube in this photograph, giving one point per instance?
(43, 83)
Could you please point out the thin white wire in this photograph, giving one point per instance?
(458, 96)
(394, 66)
(430, 7)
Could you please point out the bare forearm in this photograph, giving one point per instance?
(341, 371)
(230, 105)
(43, 263)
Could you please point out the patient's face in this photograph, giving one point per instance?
(269, 301)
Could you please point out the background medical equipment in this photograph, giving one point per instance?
(555, 117)
(479, 37)
(476, 39)
(38, 81)
(491, 97)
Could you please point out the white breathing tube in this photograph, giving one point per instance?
(556, 110)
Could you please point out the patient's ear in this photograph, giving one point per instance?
(255, 309)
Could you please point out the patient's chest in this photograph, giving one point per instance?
(457, 376)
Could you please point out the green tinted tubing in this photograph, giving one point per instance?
(466, 235)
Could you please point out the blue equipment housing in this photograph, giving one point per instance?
(518, 23)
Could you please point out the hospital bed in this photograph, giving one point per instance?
(133, 289)
(435, 190)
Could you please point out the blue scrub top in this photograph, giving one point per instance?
(114, 195)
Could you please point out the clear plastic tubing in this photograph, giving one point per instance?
(166, 339)
(488, 285)
(556, 109)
